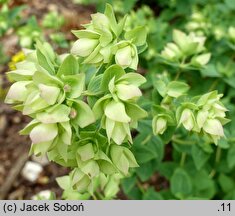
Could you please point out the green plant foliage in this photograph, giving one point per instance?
(9, 18)
(144, 100)
(53, 20)
(29, 33)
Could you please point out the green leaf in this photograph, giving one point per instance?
(137, 35)
(21, 74)
(210, 71)
(147, 147)
(133, 78)
(113, 71)
(64, 182)
(135, 112)
(151, 194)
(204, 185)
(110, 14)
(62, 150)
(69, 66)
(42, 77)
(130, 157)
(200, 157)
(86, 34)
(86, 152)
(75, 85)
(26, 130)
(119, 159)
(94, 85)
(98, 108)
(146, 170)
(91, 168)
(167, 168)
(45, 62)
(49, 93)
(144, 152)
(116, 112)
(176, 88)
(226, 183)
(161, 87)
(230, 4)
(128, 184)
(84, 115)
(181, 184)
(58, 113)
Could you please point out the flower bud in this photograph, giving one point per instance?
(231, 33)
(127, 57)
(213, 127)
(18, 91)
(201, 118)
(187, 119)
(49, 93)
(159, 125)
(43, 133)
(84, 47)
(171, 51)
(127, 92)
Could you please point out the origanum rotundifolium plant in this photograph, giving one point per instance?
(84, 104)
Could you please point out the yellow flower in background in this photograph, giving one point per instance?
(18, 57)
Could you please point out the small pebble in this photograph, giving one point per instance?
(31, 171)
(45, 195)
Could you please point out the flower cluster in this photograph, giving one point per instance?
(83, 120)
(198, 24)
(231, 34)
(105, 38)
(203, 114)
(43, 91)
(186, 50)
(117, 108)
(209, 117)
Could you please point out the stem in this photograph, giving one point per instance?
(94, 197)
(140, 186)
(99, 196)
(183, 158)
(180, 69)
(177, 75)
(146, 139)
(218, 155)
(217, 160)
(213, 85)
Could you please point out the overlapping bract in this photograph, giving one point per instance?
(186, 50)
